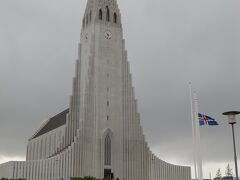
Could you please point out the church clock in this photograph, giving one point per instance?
(108, 35)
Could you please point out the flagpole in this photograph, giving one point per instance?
(198, 138)
(193, 131)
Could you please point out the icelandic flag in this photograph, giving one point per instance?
(206, 120)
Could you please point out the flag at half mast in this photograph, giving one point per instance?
(198, 120)
(206, 120)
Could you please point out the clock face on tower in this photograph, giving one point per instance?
(108, 35)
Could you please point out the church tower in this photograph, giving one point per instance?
(100, 80)
(100, 134)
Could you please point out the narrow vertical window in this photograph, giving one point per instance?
(41, 148)
(108, 151)
(107, 103)
(115, 17)
(100, 14)
(83, 23)
(90, 16)
(108, 14)
(45, 147)
(87, 19)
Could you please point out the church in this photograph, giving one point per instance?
(99, 134)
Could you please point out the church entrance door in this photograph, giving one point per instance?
(107, 174)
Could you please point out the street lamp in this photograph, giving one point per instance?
(232, 120)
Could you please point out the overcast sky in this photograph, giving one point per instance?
(169, 42)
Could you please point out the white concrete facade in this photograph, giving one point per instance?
(13, 170)
(102, 133)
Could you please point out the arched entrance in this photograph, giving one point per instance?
(108, 175)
